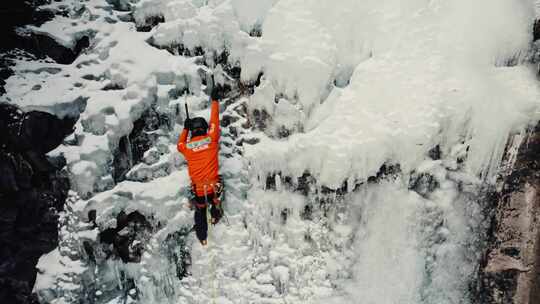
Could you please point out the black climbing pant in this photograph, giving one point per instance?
(201, 222)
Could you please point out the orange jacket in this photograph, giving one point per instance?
(201, 153)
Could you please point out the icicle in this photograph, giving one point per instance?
(278, 181)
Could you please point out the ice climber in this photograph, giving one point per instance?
(201, 153)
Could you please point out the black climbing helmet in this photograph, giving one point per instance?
(198, 126)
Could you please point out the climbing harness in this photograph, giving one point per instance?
(217, 199)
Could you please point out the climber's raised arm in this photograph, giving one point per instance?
(182, 140)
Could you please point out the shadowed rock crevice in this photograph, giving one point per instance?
(121, 5)
(32, 192)
(321, 197)
(131, 148)
(43, 46)
(536, 30)
(178, 252)
(307, 184)
(19, 43)
(16, 14)
(149, 23)
(12, 15)
(19, 13)
(127, 239)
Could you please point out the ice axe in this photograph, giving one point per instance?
(187, 111)
(211, 85)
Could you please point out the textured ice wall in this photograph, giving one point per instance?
(422, 73)
(346, 88)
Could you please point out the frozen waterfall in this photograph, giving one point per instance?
(361, 141)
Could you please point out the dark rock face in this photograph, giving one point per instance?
(121, 5)
(150, 23)
(12, 15)
(260, 119)
(5, 73)
(44, 46)
(131, 148)
(128, 237)
(19, 13)
(32, 191)
(536, 30)
(511, 269)
(178, 252)
(323, 198)
(16, 14)
(423, 183)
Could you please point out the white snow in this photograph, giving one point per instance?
(357, 84)
(64, 30)
(431, 74)
(52, 268)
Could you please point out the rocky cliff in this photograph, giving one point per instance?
(19, 41)
(33, 189)
(511, 269)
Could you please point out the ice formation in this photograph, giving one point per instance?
(335, 190)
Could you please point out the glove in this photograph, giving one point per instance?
(217, 92)
(187, 124)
